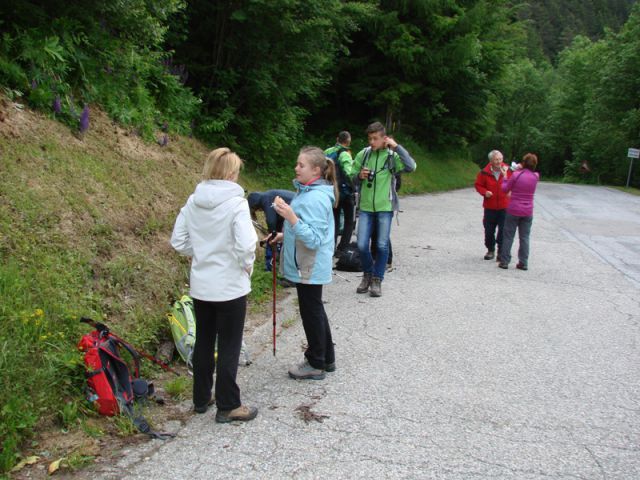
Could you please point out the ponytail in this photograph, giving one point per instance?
(330, 175)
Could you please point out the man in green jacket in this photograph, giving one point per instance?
(341, 156)
(377, 165)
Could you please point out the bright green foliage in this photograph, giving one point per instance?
(521, 112)
(594, 108)
(569, 95)
(106, 53)
(612, 120)
(430, 66)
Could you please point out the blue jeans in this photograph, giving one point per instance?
(268, 256)
(366, 222)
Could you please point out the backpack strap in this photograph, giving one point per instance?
(143, 426)
(134, 354)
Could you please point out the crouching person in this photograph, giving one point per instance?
(215, 229)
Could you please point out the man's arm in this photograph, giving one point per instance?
(480, 186)
(347, 163)
(407, 163)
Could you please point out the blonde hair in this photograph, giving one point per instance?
(221, 164)
(317, 158)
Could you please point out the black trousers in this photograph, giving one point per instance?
(493, 219)
(224, 321)
(320, 350)
(347, 207)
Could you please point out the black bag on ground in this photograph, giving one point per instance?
(349, 259)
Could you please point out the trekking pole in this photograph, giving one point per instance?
(104, 330)
(273, 269)
(341, 276)
(260, 228)
(274, 252)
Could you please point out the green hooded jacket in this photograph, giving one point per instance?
(379, 194)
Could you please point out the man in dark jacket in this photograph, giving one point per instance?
(489, 185)
(264, 201)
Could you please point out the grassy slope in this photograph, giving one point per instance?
(84, 225)
(84, 229)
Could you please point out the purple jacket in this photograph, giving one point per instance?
(522, 186)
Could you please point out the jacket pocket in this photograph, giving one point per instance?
(305, 261)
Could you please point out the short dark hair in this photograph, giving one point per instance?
(254, 199)
(376, 127)
(530, 161)
(344, 136)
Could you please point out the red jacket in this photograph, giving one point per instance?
(485, 181)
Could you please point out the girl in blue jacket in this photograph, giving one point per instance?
(307, 255)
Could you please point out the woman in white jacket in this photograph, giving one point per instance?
(214, 228)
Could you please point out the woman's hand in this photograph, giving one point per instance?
(284, 210)
(273, 240)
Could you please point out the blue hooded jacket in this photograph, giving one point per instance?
(307, 249)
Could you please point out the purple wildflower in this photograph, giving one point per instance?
(164, 141)
(57, 105)
(84, 119)
(34, 84)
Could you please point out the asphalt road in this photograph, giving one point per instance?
(460, 370)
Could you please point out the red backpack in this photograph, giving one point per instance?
(108, 378)
(111, 387)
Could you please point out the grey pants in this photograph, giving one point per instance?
(523, 224)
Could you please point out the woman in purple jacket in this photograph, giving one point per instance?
(522, 186)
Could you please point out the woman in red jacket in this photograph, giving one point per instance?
(489, 185)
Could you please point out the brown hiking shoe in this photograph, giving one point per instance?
(240, 414)
(376, 287)
(364, 284)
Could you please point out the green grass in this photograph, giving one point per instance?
(178, 388)
(438, 171)
(631, 190)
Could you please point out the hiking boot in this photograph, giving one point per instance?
(240, 414)
(489, 255)
(364, 284)
(304, 371)
(330, 367)
(521, 266)
(376, 287)
(205, 407)
(503, 265)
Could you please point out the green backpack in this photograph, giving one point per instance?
(182, 320)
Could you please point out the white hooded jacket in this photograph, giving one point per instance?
(215, 229)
